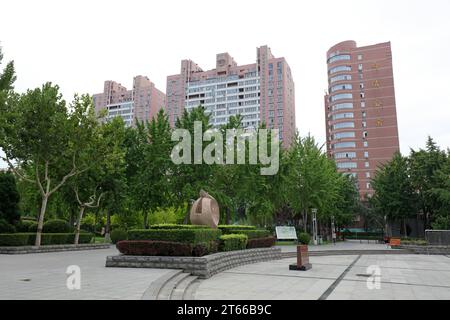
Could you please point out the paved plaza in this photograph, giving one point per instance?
(402, 277)
(43, 276)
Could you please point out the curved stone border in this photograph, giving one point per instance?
(429, 250)
(203, 267)
(53, 248)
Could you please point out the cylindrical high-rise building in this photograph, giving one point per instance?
(361, 118)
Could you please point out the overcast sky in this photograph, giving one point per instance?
(79, 44)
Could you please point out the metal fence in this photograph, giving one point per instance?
(438, 237)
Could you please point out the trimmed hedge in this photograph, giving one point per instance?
(57, 226)
(255, 234)
(176, 226)
(28, 239)
(154, 248)
(118, 235)
(192, 236)
(233, 242)
(6, 227)
(14, 239)
(25, 225)
(267, 242)
(232, 229)
(161, 248)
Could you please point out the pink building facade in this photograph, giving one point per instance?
(360, 109)
(142, 102)
(262, 92)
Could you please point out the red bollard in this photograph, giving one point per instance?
(302, 259)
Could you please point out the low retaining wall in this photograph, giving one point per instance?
(53, 248)
(432, 250)
(203, 267)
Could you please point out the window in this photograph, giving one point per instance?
(344, 77)
(347, 165)
(342, 106)
(343, 155)
(344, 125)
(343, 135)
(339, 69)
(348, 115)
(342, 145)
(341, 87)
(339, 58)
(341, 97)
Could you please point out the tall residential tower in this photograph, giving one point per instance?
(361, 118)
(262, 92)
(142, 102)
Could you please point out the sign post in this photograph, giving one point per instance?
(286, 233)
(314, 220)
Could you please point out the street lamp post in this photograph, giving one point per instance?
(333, 231)
(314, 212)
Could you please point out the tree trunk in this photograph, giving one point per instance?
(404, 228)
(77, 233)
(186, 218)
(41, 220)
(145, 219)
(227, 216)
(108, 226)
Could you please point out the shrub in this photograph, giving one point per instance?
(176, 226)
(233, 242)
(24, 239)
(57, 226)
(24, 225)
(154, 248)
(57, 238)
(33, 227)
(232, 229)
(118, 235)
(5, 227)
(167, 215)
(192, 236)
(14, 240)
(255, 234)
(304, 238)
(261, 243)
(85, 237)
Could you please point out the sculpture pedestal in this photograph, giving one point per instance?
(302, 259)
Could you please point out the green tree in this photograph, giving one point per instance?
(150, 183)
(311, 178)
(39, 132)
(424, 164)
(395, 197)
(9, 198)
(189, 179)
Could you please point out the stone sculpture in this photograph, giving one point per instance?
(205, 211)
